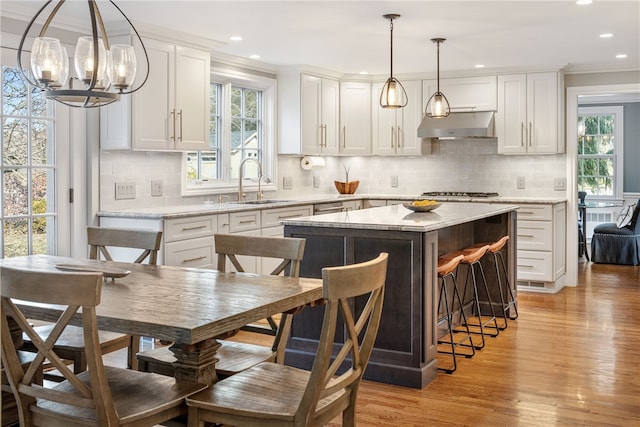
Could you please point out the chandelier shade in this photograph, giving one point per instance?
(438, 104)
(103, 71)
(393, 94)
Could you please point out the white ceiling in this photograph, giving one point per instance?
(351, 36)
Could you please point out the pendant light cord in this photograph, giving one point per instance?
(391, 50)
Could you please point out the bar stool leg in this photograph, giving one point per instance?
(482, 324)
(449, 310)
(512, 299)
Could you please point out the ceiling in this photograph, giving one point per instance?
(351, 36)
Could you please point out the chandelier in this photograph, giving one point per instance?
(103, 71)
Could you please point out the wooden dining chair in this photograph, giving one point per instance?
(99, 396)
(70, 345)
(235, 356)
(271, 394)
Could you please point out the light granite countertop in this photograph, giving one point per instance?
(190, 210)
(399, 218)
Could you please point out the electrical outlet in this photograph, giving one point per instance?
(316, 181)
(125, 190)
(559, 184)
(394, 181)
(156, 188)
(287, 183)
(520, 183)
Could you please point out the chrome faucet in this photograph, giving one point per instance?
(241, 194)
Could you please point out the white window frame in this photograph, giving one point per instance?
(225, 184)
(618, 113)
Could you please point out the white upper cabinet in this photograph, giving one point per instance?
(308, 114)
(394, 130)
(355, 118)
(171, 111)
(319, 106)
(527, 117)
(465, 93)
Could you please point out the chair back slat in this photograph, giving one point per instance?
(340, 286)
(74, 291)
(101, 238)
(290, 250)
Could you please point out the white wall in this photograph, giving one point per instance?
(470, 165)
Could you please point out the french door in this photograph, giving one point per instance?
(34, 168)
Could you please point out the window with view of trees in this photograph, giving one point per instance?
(600, 151)
(27, 216)
(236, 133)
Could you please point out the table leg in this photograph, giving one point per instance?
(196, 362)
(583, 217)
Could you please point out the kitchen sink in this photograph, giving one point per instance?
(259, 202)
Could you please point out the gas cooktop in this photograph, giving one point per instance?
(458, 194)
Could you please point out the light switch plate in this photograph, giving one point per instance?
(156, 188)
(316, 181)
(394, 181)
(520, 183)
(125, 190)
(287, 182)
(559, 184)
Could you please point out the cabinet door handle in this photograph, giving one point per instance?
(198, 227)
(289, 216)
(522, 134)
(173, 127)
(180, 114)
(392, 137)
(525, 266)
(344, 137)
(248, 221)
(530, 134)
(184, 261)
(399, 138)
(525, 235)
(324, 135)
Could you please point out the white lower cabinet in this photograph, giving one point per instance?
(541, 243)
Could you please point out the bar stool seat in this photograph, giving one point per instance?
(447, 265)
(471, 258)
(495, 248)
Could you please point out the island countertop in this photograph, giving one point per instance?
(399, 218)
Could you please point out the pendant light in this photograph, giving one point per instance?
(438, 105)
(393, 94)
(105, 71)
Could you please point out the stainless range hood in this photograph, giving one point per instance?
(459, 125)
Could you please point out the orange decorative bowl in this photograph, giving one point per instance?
(346, 187)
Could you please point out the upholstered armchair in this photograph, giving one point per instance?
(613, 245)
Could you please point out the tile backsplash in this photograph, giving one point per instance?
(468, 165)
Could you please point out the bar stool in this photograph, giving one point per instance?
(495, 248)
(446, 267)
(472, 257)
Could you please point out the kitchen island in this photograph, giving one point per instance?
(406, 346)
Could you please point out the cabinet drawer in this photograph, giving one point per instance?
(272, 217)
(223, 224)
(535, 266)
(244, 221)
(535, 235)
(189, 228)
(190, 253)
(535, 213)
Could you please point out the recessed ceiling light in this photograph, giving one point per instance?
(606, 35)
(583, 2)
(254, 56)
(235, 38)
(621, 55)
(479, 66)
(363, 73)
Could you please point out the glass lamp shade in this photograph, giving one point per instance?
(122, 66)
(393, 94)
(438, 106)
(48, 61)
(84, 62)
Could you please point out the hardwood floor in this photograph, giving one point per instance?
(571, 359)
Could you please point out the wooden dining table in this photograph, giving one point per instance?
(188, 306)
